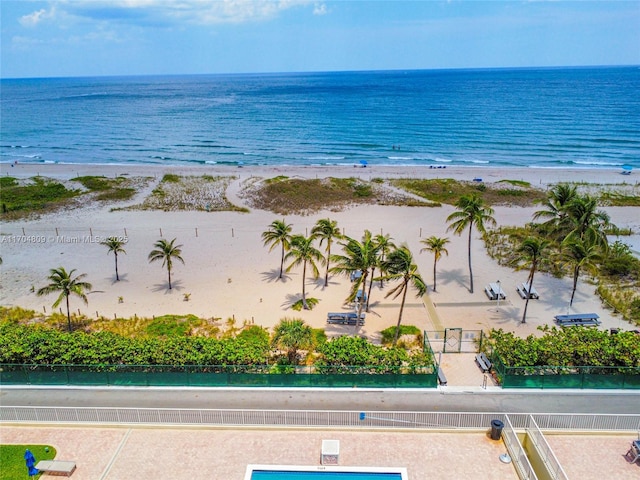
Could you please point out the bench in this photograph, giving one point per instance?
(578, 319)
(524, 289)
(493, 291)
(56, 467)
(483, 362)
(442, 380)
(345, 318)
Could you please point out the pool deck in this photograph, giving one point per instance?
(120, 453)
(123, 453)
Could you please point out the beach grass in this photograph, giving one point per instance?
(20, 198)
(162, 326)
(13, 462)
(284, 195)
(190, 193)
(447, 190)
(109, 189)
(37, 194)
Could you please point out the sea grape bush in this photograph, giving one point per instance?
(568, 347)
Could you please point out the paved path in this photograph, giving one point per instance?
(446, 399)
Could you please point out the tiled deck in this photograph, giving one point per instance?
(594, 456)
(180, 453)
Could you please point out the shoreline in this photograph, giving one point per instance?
(536, 176)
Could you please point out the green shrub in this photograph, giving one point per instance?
(171, 178)
(388, 334)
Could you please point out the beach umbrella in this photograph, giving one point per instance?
(627, 167)
(363, 163)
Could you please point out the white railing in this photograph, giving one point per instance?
(517, 452)
(544, 450)
(317, 418)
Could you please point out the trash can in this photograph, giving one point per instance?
(496, 429)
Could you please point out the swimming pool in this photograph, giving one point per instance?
(294, 472)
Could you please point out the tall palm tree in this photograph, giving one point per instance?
(358, 256)
(384, 244)
(587, 222)
(167, 252)
(531, 250)
(279, 233)
(437, 246)
(326, 229)
(114, 245)
(554, 207)
(292, 334)
(400, 266)
(302, 251)
(65, 283)
(580, 255)
(471, 211)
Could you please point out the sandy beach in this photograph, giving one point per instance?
(230, 274)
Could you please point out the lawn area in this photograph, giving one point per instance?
(12, 460)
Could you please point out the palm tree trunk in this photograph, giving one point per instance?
(169, 271)
(66, 297)
(281, 262)
(326, 275)
(363, 283)
(526, 302)
(117, 276)
(576, 274)
(404, 297)
(470, 271)
(435, 261)
(304, 295)
(373, 269)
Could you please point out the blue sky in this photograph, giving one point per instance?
(132, 37)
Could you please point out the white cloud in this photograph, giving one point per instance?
(190, 11)
(36, 17)
(320, 9)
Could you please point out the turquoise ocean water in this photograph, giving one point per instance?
(572, 117)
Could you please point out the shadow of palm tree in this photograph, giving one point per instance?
(274, 276)
(456, 276)
(293, 298)
(176, 284)
(319, 282)
(123, 278)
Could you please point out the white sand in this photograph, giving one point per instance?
(229, 273)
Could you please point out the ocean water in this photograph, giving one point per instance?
(573, 117)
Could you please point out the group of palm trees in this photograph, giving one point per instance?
(67, 284)
(575, 222)
(359, 260)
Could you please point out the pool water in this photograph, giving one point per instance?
(292, 475)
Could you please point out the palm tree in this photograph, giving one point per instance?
(292, 335)
(400, 266)
(167, 252)
(531, 249)
(65, 283)
(326, 229)
(279, 233)
(580, 255)
(358, 256)
(554, 207)
(384, 243)
(587, 221)
(114, 245)
(437, 246)
(471, 211)
(302, 251)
